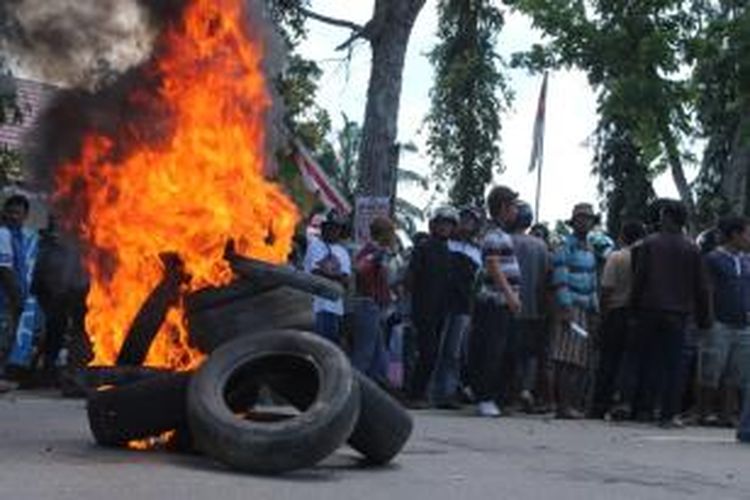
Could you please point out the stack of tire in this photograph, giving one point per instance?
(319, 403)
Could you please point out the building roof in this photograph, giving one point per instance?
(31, 98)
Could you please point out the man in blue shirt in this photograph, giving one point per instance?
(725, 349)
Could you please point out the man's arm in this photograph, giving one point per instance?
(703, 303)
(610, 280)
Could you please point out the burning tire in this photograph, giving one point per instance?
(257, 270)
(85, 381)
(139, 410)
(227, 431)
(278, 308)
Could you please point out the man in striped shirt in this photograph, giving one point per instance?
(575, 282)
(497, 303)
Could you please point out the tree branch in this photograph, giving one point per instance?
(342, 23)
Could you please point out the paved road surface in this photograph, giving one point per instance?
(46, 453)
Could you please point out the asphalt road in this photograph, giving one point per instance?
(46, 452)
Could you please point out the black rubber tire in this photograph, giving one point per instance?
(277, 308)
(86, 381)
(253, 269)
(383, 427)
(217, 296)
(139, 410)
(284, 445)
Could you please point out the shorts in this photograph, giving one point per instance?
(725, 355)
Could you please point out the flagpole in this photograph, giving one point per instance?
(538, 189)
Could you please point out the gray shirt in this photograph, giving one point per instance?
(534, 261)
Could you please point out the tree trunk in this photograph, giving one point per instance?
(735, 180)
(678, 175)
(393, 21)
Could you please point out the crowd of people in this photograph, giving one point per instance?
(491, 310)
(487, 309)
(42, 296)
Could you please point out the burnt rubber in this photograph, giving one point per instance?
(139, 410)
(221, 427)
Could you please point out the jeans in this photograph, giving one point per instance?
(725, 352)
(488, 342)
(446, 376)
(532, 340)
(428, 331)
(614, 363)
(368, 346)
(661, 339)
(328, 326)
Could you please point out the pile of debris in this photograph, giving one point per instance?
(269, 398)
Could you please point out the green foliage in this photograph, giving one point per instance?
(340, 160)
(298, 84)
(721, 79)
(624, 179)
(467, 99)
(298, 87)
(633, 54)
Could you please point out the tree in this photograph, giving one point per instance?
(298, 83)
(342, 162)
(388, 33)
(721, 78)
(469, 95)
(624, 178)
(633, 53)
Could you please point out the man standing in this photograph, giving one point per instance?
(615, 334)
(466, 259)
(574, 279)
(533, 258)
(372, 300)
(13, 303)
(669, 286)
(725, 349)
(428, 278)
(498, 303)
(25, 243)
(327, 257)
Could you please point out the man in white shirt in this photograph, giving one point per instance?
(327, 257)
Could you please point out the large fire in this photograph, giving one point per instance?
(188, 193)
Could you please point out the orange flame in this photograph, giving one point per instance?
(187, 194)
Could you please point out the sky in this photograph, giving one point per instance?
(571, 106)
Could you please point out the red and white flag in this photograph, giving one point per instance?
(537, 149)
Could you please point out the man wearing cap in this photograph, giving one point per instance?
(575, 283)
(427, 280)
(327, 257)
(498, 302)
(465, 260)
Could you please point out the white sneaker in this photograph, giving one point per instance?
(488, 409)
